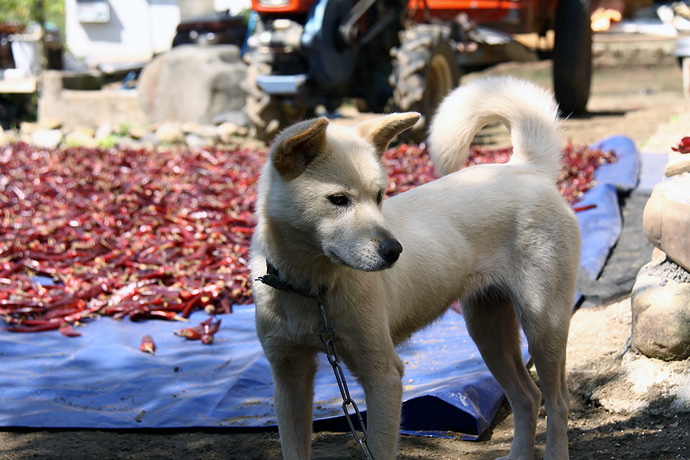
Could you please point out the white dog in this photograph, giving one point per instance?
(499, 237)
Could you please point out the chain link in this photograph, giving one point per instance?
(327, 336)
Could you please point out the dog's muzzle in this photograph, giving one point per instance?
(390, 250)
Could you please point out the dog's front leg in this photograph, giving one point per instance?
(293, 377)
(380, 373)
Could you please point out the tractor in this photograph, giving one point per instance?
(396, 55)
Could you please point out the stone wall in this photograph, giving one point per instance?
(86, 107)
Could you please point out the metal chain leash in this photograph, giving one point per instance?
(327, 336)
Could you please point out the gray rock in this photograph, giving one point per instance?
(85, 130)
(80, 138)
(137, 132)
(227, 131)
(170, 133)
(661, 311)
(129, 143)
(28, 127)
(149, 139)
(46, 138)
(195, 141)
(666, 219)
(206, 131)
(192, 84)
(237, 117)
(104, 130)
(50, 123)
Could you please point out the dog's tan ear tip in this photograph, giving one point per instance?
(407, 120)
(317, 125)
(410, 118)
(321, 121)
(414, 117)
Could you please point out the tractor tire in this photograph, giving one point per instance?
(262, 113)
(268, 115)
(572, 56)
(425, 70)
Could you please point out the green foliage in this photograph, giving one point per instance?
(123, 129)
(109, 141)
(32, 11)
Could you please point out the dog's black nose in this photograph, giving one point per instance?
(390, 250)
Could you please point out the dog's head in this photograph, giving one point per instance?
(323, 190)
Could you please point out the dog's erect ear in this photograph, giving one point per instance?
(297, 146)
(381, 130)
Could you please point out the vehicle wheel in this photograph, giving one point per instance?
(263, 113)
(425, 70)
(266, 114)
(572, 56)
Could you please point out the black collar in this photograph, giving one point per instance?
(276, 281)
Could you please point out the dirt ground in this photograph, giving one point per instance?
(622, 405)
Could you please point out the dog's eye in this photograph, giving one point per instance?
(339, 200)
(379, 198)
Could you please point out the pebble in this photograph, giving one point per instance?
(50, 123)
(103, 131)
(170, 133)
(80, 139)
(46, 138)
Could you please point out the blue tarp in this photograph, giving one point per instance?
(601, 226)
(102, 380)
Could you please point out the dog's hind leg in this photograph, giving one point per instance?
(491, 322)
(293, 376)
(546, 321)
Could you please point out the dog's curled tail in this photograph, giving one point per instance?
(528, 111)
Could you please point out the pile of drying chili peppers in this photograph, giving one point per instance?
(120, 233)
(410, 166)
(155, 234)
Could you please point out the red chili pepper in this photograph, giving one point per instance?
(47, 326)
(584, 208)
(157, 273)
(189, 333)
(66, 329)
(169, 315)
(204, 331)
(683, 146)
(209, 330)
(147, 344)
(193, 302)
(244, 230)
(13, 268)
(225, 305)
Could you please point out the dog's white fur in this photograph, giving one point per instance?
(499, 237)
